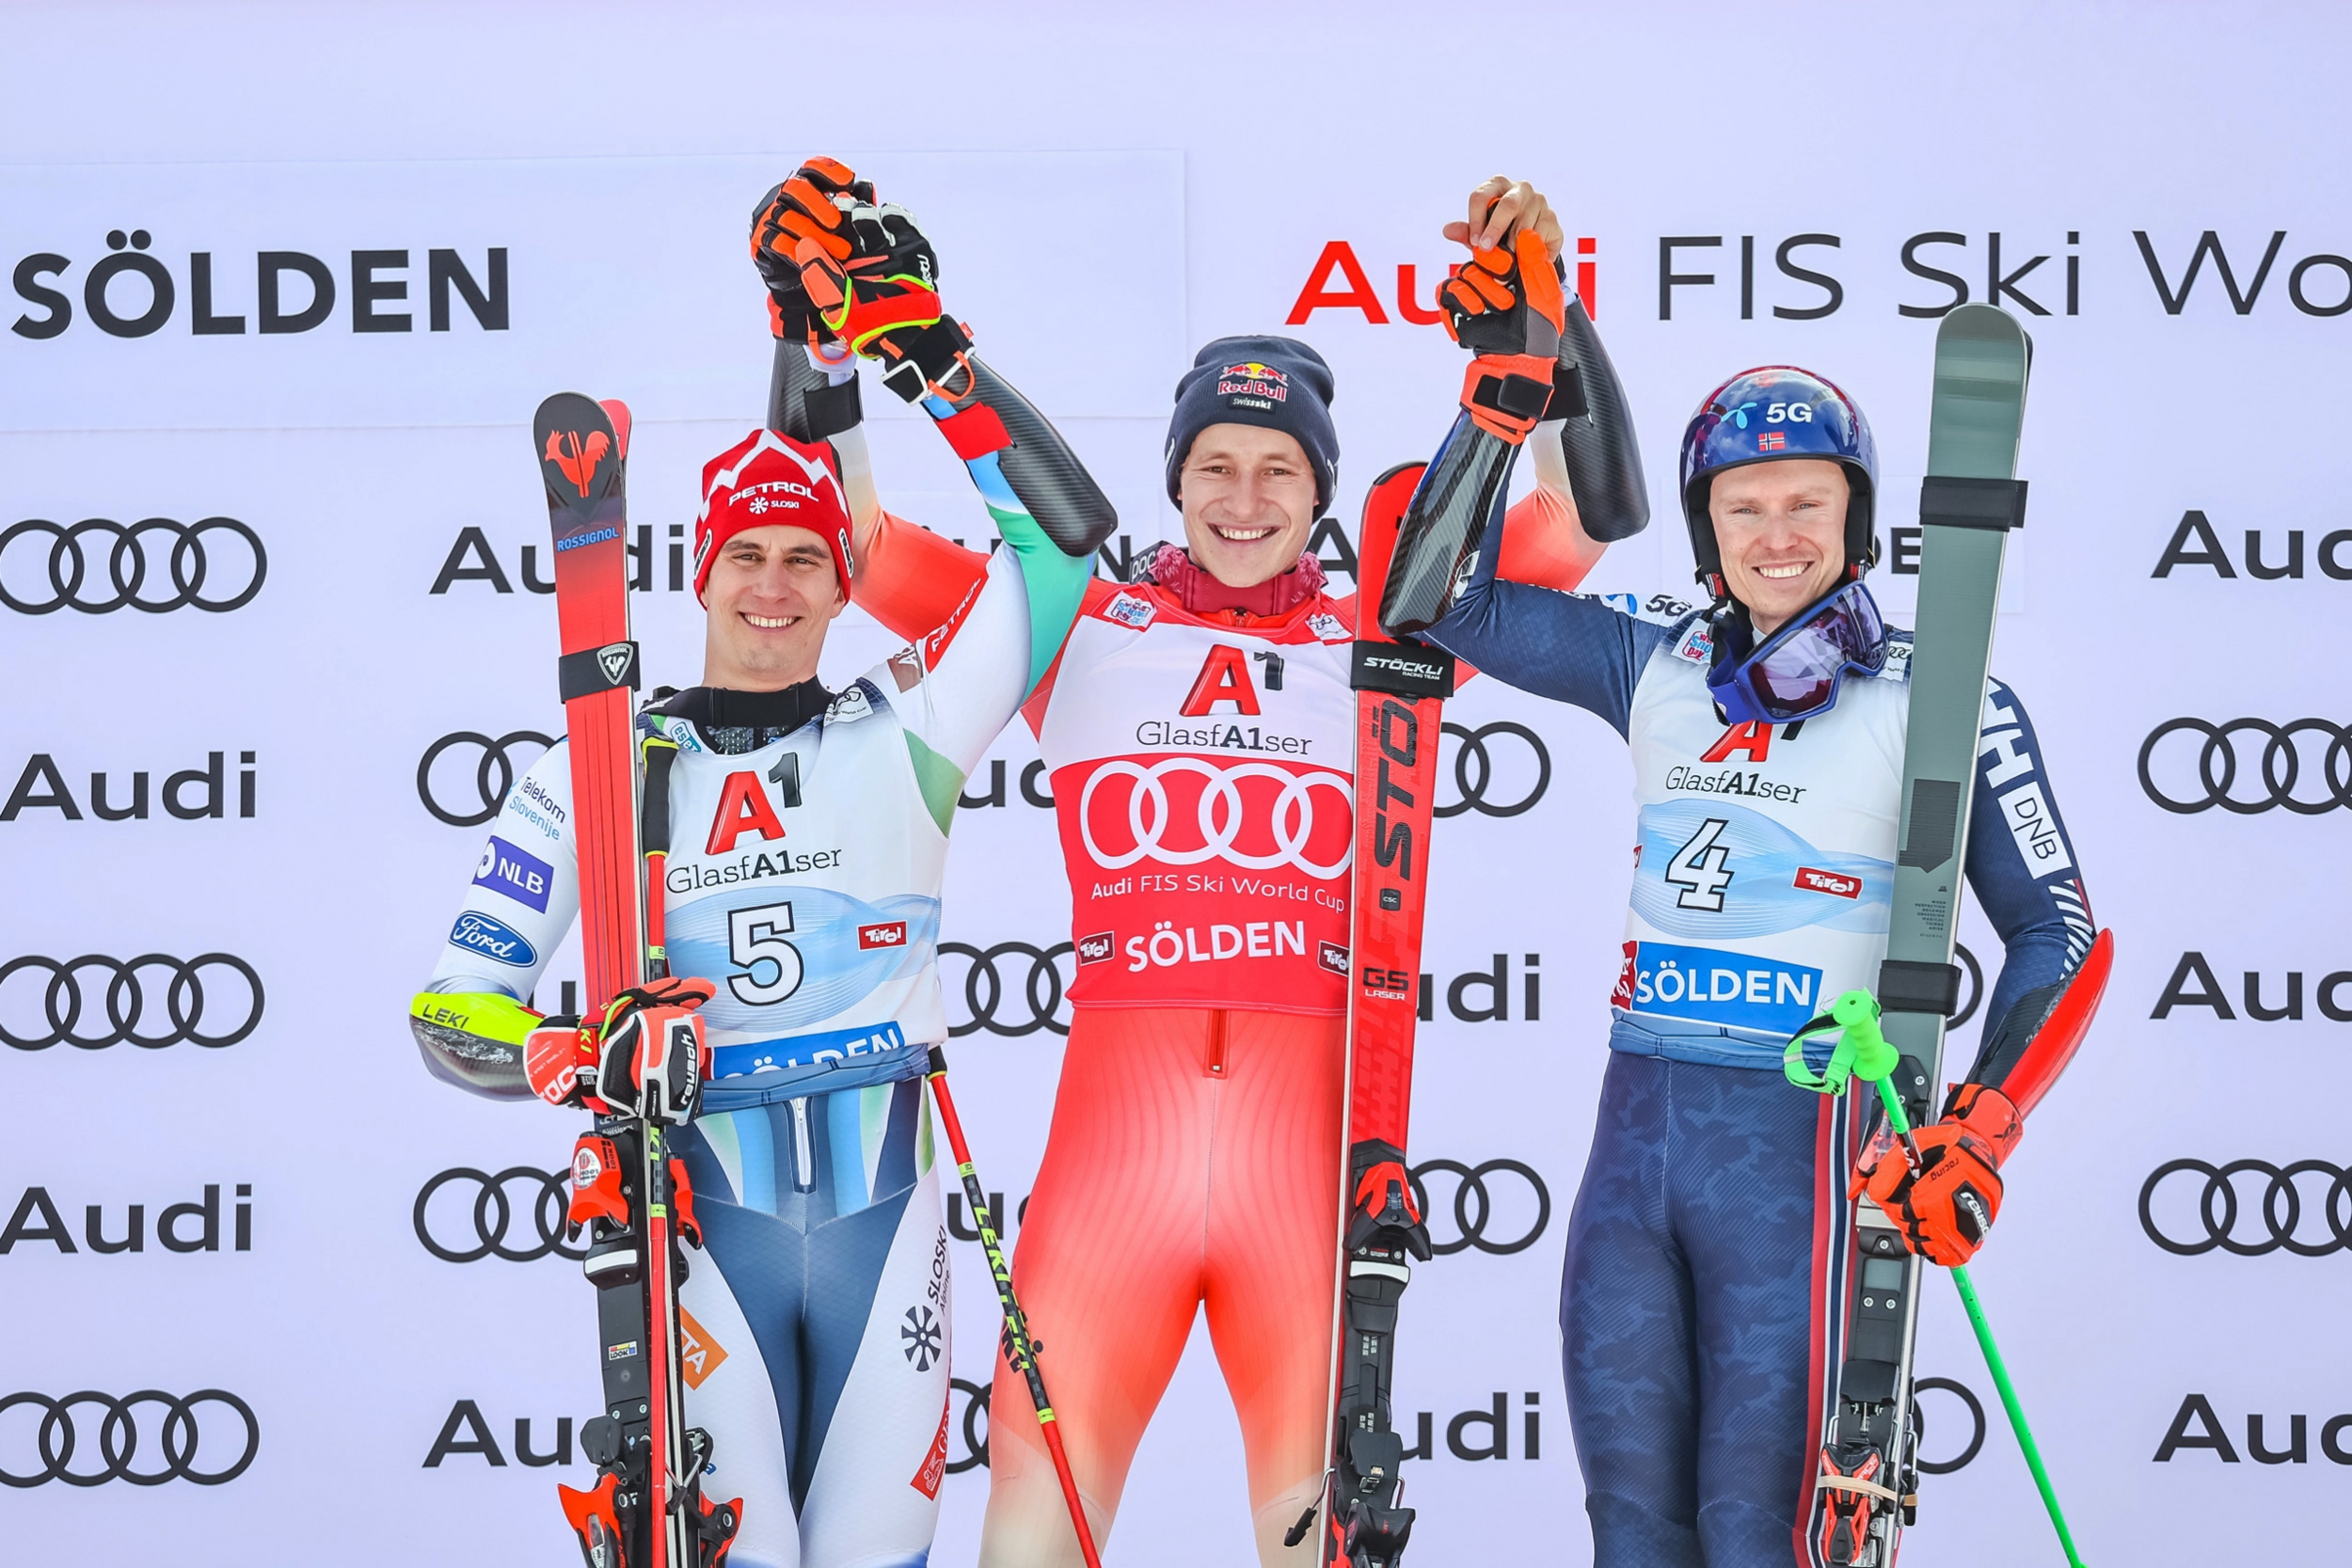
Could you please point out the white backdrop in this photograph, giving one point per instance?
(1107, 194)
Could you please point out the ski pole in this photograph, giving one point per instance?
(1020, 1350)
(1858, 1012)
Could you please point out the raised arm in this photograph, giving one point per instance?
(843, 271)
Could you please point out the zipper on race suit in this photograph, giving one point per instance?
(1217, 1042)
(803, 1149)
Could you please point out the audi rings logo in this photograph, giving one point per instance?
(1519, 771)
(1504, 1217)
(2304, 765)
(494, 773)
(1014, 999)
(150, 1001)
(145, 1438)
(98, 565)
(2305, 1207)
(1261, 826)
(539, 1197)
(973, 1427)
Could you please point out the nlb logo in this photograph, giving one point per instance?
(505, 868)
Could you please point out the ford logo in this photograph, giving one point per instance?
(478, 933)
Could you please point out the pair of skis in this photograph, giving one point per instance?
(630, 1194)
(1865, 1489)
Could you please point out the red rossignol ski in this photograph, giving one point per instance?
(1400, 693)
(646, 1509)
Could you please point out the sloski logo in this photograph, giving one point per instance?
(576, 458)
(478, 933)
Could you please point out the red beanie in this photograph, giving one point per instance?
(768, 478)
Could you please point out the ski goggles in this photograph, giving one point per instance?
(1794, 674)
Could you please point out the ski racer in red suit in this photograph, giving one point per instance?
(1196, 724)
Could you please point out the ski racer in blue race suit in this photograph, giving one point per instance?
(810, 840)
(1694, 1316)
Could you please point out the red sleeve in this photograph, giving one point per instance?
(1543, 543)
(912, 580)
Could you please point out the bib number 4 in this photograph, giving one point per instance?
(1702, 868)
(756, 942)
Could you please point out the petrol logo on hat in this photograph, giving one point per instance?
(1253, 378)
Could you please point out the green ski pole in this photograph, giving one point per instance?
(1862, 1052)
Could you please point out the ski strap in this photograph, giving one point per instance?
(1861, 1051)
(1854, 1483)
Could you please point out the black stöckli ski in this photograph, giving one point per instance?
(630, 1193)
(1864, 1487)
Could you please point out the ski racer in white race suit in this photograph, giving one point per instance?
(1196, 724)
(1702, 1322)
(803, 881)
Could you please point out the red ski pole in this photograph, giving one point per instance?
(1022, 1352)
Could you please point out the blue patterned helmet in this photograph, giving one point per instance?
(1777, 411)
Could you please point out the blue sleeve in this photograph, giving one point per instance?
(1571, 647)
(2021, 864)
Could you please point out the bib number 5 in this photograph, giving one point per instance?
(1702, 868)
(756, 942)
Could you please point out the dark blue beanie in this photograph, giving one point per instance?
(1276, 382)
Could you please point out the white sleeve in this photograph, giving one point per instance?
(525, 889)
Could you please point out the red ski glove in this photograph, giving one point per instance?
(646, 1057)
(1505, 306)
(651, 1057)
(1946, 1209)
(799, 223)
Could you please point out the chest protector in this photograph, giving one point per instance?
(1203, 783)
(803, 881)
(1762, 876)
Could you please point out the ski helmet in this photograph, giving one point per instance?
(1769, 413)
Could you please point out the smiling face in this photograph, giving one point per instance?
(1248, 496)
(772, 592)
(1780, 527)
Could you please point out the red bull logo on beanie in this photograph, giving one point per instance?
(1253, 378)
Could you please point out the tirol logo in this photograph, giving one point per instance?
(576, 458)
(1331, 955)
(1828, 881)
(514, 872)
(1253, 378)
(1097, 948)
(888, 934)
(478, 933)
